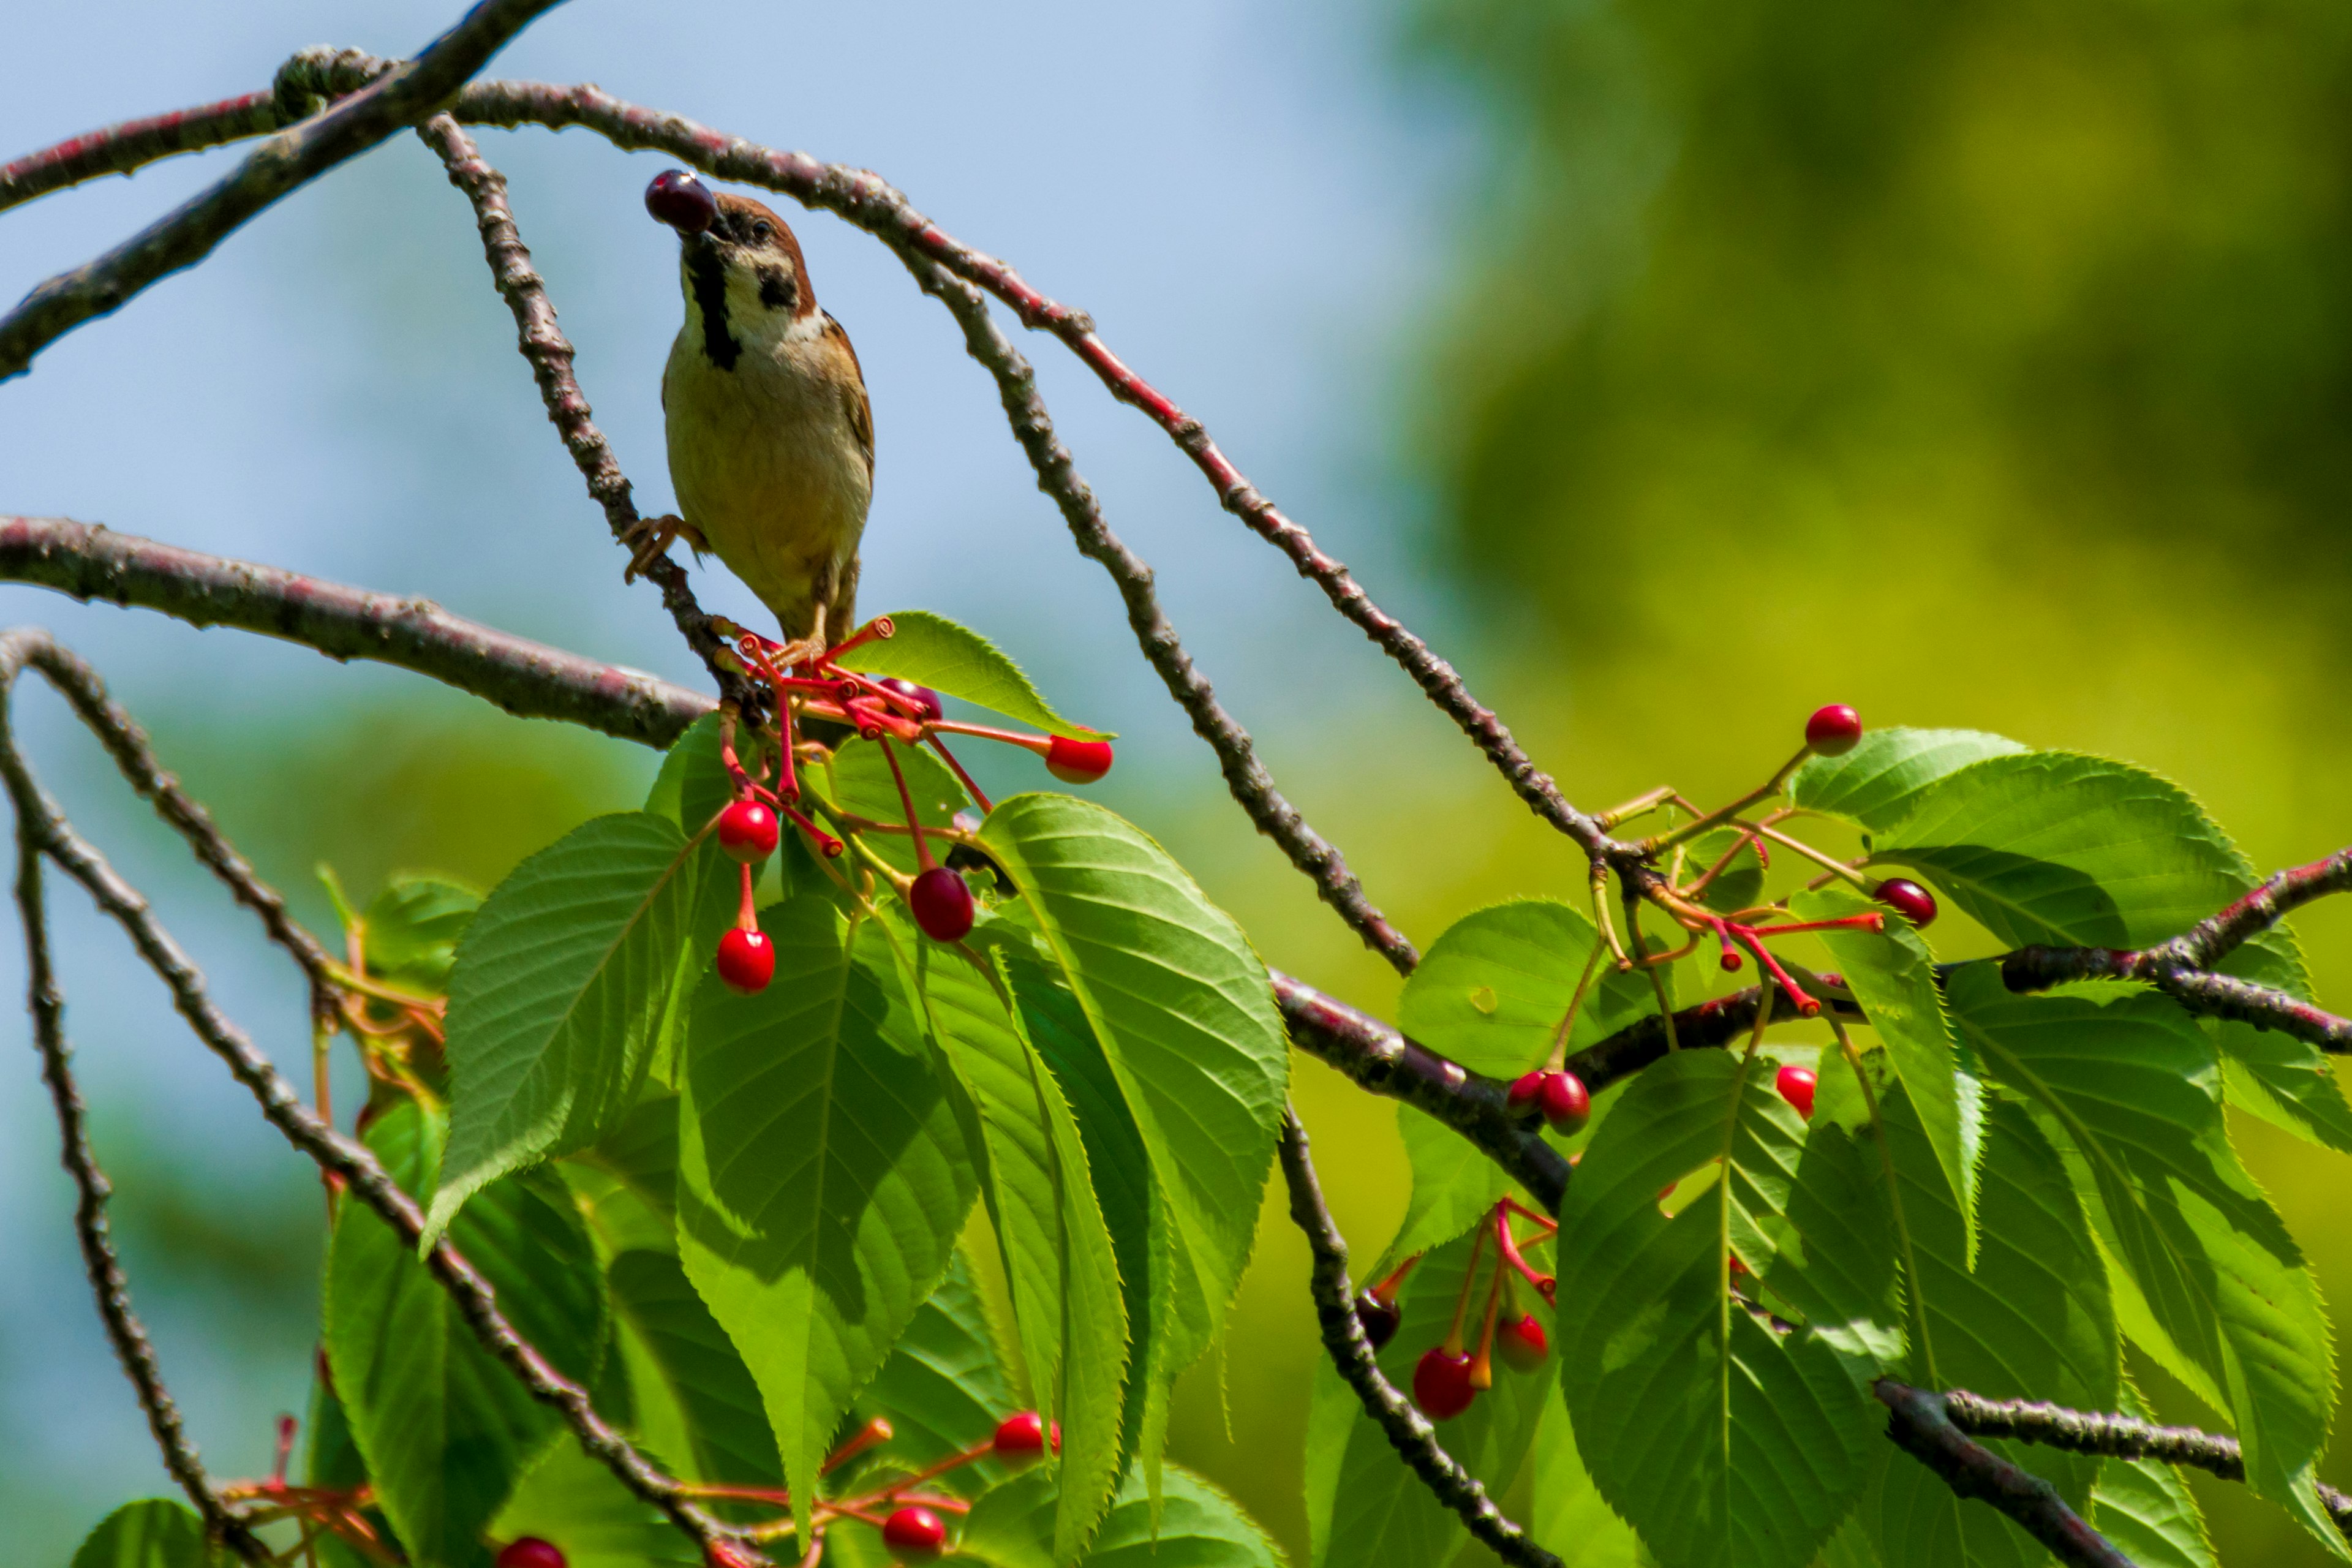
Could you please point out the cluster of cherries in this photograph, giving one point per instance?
(881, 710)
(1450, 1374)
(912, 1530)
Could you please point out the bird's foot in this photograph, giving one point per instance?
(648, 540)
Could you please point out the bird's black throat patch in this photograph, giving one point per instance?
(707, 275)
(778, 291)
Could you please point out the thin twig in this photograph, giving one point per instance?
(1918, 1424)
(406, 92)
(135, 144)
(1414, 1437)
(282, 1103)
(530, 679)
(543, 344)
(106, 1281)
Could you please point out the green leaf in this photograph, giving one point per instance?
(858, 780)
(626, 1181)
(160, 1532)
(1721, 1441)
(1569, 1517)
(822, 1175)
(1837, 1263)
(332, 1459)
(1191, 1524)
(2032, 1322)
(695, 1399)
(943, 1390)
(577, 1505)
(570, 981)
(957, 661)
(1362, 1504)
(1058, 1257)
(2145, 1509)
(413, 927)
(1185, 1016)
(1740, 883)
(1893, 976)
(2135, 1091)
(444, 1428)
(1453, 1183)
(1875, 785)
(692, 786)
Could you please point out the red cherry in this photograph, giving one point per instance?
(530, 1551)
(1796, 1086)
(1909, 899)
(747, 961)
(1524, 1091)
(922, 697)
(1441, 1383)
(1565, 1103)
(915, 1534)
(1524, 1344)
(1077, 761)
(680, 200)
(747, 831)
(1021, 1439)
(943, 904)
(1378, 1318)
(1834, 730)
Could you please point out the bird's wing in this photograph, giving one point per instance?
(860, 406)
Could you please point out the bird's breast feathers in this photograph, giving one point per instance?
(773, 457)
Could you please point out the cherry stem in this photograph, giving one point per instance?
(878, 627)
(1797, 994)
(978, 798)
(1707, 879)
(1872, 921)
(1600, 914)
(285, 1453)
(1543, 1283)
(1462, 1304)
(1836, 868)
(937, 1467)
(1041, 744)
(1482, 1365)
(1559, 1036)
(906, 798)
(1551, 1227)
(1764, 791)
(1385, 1292)
(826, 843)
(1610, 821)
(874, 1431)
(1731, 959)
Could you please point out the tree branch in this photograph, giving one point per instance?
(1414, 1437)
(404, 93)
(543, 344)
(135, 144)
(106, 1281)
(43, 825)
(1919, 1426)
(529, 679)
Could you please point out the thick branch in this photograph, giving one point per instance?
(1414, 1439)
(526, 678)
(282, 1103)
(1716, 1022)
(2116, 1437)
(1919, 1426)
(1057, 476)
(549, 354)
(402, 95)
(106, 1281)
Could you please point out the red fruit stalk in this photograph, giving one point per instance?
(747, 959)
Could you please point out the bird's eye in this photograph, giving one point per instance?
(761, 233)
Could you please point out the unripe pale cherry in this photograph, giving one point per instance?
(1834, 730)
(1441, 1383)
(1077, 761)
(943, 904)
(1523, 1345)
(922, 697)
(1378, 1318)
(747, 961)
(531, 1552)
(1021, 1439)
(1566, 1105)
(1796, 1085)
(748, 832)
(915, 1534)
(682, 201)
(1908, 899)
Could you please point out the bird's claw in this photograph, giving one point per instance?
(649, 539)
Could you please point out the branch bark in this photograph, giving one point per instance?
(1918, 1424)
(401, 94)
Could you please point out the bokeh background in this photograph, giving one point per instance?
(1675, 367)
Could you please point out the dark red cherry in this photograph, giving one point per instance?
(1378, 1318)
(922, 697)
(1565, 1103)
(1523, 1345)
(1077, 761)
(1796, 1085)
(1909, 899)
(943, 904)
(531, 1552)
(747, 962)
(1834, 730)
(1526, 1091)
(682, 201)
(746, 831)
(1021, 1439)
(1441, 1383)
(915, 1534)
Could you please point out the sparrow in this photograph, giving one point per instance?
(771, 432)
